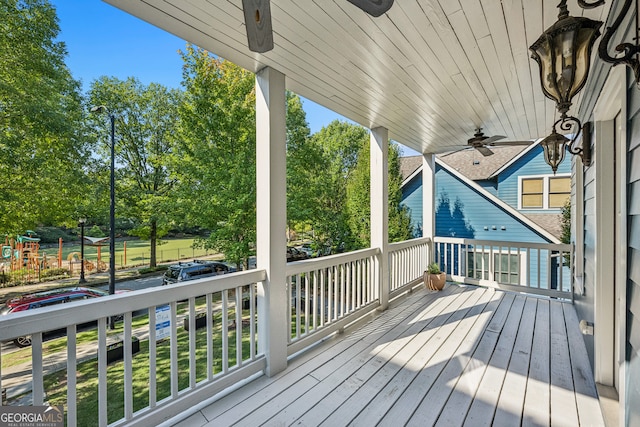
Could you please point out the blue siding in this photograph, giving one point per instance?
(461, 211)
(490, 186)
(412, 198)
(531, 163)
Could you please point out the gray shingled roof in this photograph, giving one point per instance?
(408, 165)
(550, 222)
(470, 163)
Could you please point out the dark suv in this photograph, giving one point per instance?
(46, 299)
(196, 269)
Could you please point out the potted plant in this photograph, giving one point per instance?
(434, 279)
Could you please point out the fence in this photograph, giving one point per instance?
(45, 264)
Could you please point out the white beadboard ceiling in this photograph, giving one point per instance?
(429, 71)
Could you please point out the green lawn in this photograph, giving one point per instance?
(87, 375)
(138, 251)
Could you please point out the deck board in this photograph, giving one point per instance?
(536, 406)
(464, 356)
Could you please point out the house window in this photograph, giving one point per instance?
(544, 192)
(508, 268)
(532, 193)
(559, 191)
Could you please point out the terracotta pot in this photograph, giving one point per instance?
(434, 282)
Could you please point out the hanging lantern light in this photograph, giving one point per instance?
(554, 149)
(563, 54)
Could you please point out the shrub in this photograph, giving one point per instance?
(52, 234)
(434, 268)
(53, 272)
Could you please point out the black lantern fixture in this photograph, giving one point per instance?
(563, 53)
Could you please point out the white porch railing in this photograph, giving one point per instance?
(327, 293)
(537, 268)
(169, 376)
(183, 368)
(407, 262)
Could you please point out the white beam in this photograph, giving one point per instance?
(428, 199)
(271, 197)
(379, 160)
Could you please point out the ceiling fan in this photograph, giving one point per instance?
(257, 20)
(480, 142)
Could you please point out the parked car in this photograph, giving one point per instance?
(46, 299)
(195, 269)
(294, 254)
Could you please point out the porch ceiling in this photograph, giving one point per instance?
(430, 71)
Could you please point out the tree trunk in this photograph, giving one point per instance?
(153, 235)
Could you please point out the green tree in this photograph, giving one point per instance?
(339, 143)
(565, 222)
(146, 124)
(358, 200)
(43, 146)
(304, 161)
(215, 163)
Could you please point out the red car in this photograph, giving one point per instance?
(45, 299)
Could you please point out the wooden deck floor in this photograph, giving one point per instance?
(463, 356)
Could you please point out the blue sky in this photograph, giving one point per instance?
(103, 40)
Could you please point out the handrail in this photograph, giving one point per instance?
(75, 313)
(298, 267)
(540, 268)
(396, 246)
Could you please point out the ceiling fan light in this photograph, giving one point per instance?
(563, 54)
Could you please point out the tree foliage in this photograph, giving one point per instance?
(359, 200)
(305, 164)
(565, 222)
(42, 131)
(216, 162)
(342, 189)
(145, 122)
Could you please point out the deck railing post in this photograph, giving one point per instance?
(429, 202)
(271, 217)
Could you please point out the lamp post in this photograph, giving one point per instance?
(112, 206)
(81, 223)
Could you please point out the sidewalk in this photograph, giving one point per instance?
(92, 280)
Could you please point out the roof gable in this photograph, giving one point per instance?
(472, 164)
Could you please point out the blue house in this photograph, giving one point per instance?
(509, 196)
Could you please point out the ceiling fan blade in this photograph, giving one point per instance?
(374, 8)
(493, 138)
(503, 143)
(485, 151)
(257, 21)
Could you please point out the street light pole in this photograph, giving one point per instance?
(112, 211)
(112, 206)
(81, 223)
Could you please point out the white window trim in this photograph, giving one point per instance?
(491, 268)
(612, 101)
(545, 190)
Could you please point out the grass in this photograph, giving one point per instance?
(87, 373)
(138, 251)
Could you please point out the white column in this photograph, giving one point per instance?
(380, 207)
(428, 200)
(271, 211)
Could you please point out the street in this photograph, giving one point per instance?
(132, 285)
